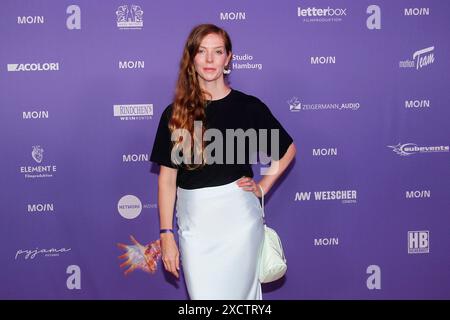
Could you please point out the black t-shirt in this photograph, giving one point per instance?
(235, 111)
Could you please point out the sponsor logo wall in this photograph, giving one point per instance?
(362, 88)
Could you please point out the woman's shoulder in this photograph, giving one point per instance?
(248, 99)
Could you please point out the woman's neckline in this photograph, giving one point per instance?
(221, 99)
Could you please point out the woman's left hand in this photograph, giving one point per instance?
(248, 184)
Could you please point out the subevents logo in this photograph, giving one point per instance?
(345, 196)
(321, 14)
(133, 111)
(295, 105)
(26, 67)
(408, 149)
(130, 17)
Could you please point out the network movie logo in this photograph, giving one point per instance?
(33, 253)
(420, 59)
(30, 67)
(295, 105)
(418, 241)
(133, 111)
(346, 196)
(40, 171)
(408, 149)
(321, 14)
(245, 62)
(130, 17)
(129, 206)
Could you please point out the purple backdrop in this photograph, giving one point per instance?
(362, 87)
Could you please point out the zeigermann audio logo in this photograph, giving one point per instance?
(133, 111)
(345, 196)
(38, 171)
(129, 206)
(418, 241)
(34, 253)
(408, 149)
(33, 67)
(245, 62)
(295, 105)
(313, 14)
(420, 59)
(130, 17)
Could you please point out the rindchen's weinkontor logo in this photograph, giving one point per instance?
(130, 17)
(295, 105)
(420, 59)
(408, 149)
(133, 111)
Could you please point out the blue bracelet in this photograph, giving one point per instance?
(165, 230)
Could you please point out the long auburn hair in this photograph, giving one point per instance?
(189, 101)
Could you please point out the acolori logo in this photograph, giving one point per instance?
(345, 196)
(313, 14)
(32, 67)
(39, 171)
(295, 105)
(245, 62)
(130, 17)
(133, 111)
(408, 149)
(129, 206)
(420, 59)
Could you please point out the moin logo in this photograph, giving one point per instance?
(408, 149)
(130, 17)
(417, 11)
(41, 114)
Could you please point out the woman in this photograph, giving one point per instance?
(218, 212)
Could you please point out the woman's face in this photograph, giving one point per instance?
(211, 58)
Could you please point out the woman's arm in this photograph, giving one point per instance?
(276, 170)
(166, 201)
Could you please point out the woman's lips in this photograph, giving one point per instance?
(209, 69)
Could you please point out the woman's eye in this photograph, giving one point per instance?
(219, 51)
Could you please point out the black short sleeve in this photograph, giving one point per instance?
(162, 146)
(264, 119)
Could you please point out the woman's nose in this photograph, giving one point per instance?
(209, 57)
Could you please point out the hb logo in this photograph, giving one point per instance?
(418, 241)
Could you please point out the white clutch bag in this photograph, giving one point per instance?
(272, 265)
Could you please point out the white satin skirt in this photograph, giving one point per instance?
(220, 233)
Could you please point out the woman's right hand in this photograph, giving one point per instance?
(170, 255)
